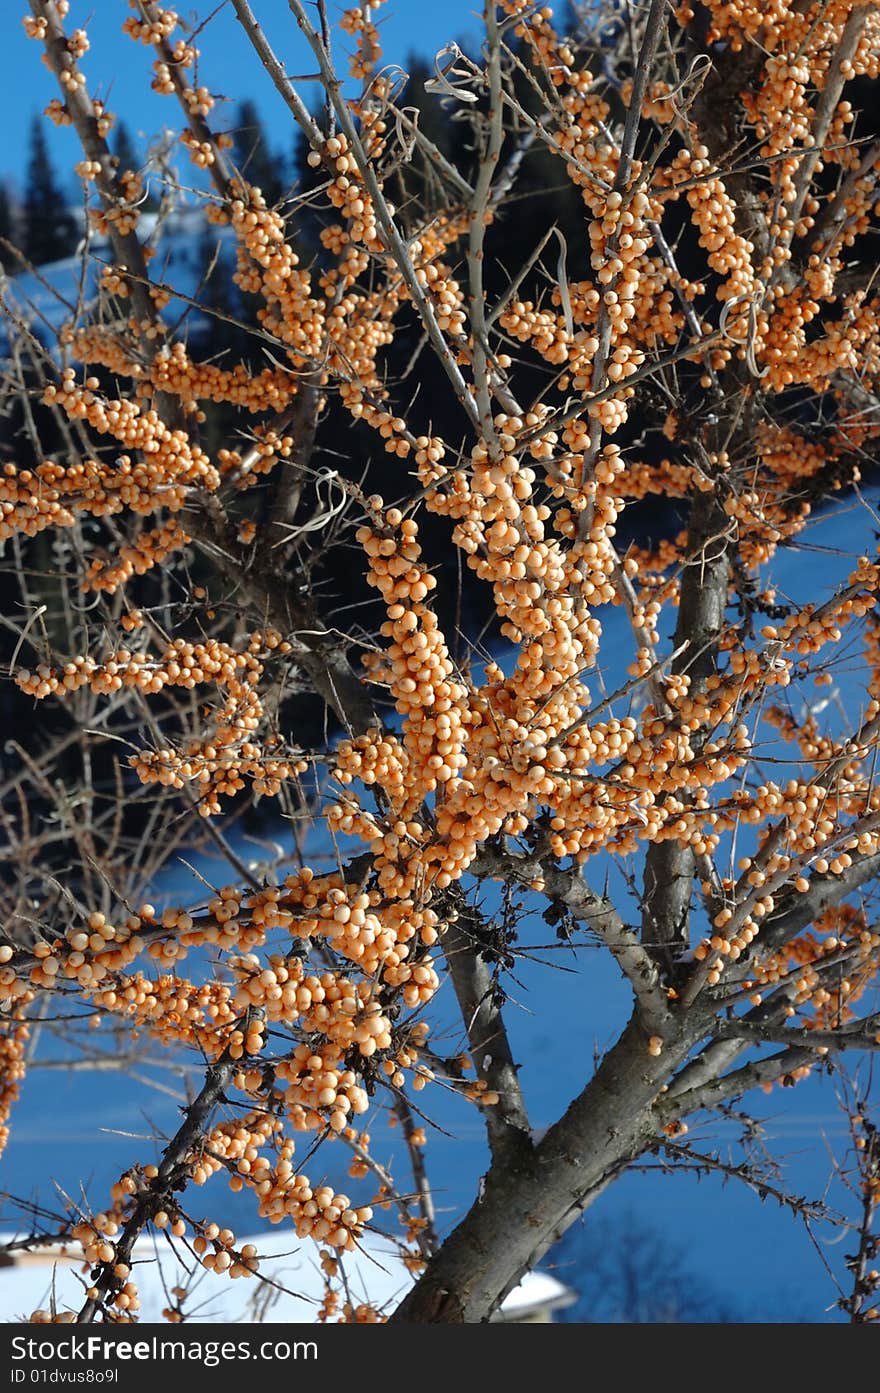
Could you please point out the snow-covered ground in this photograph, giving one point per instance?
(66, 291)
(288, 1290)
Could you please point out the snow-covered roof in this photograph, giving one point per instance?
(291, 1291)
(536, 1291)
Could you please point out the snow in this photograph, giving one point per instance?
(292, 1293)
(66, 291)
(536, 1290)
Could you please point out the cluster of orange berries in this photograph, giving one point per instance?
(392, 428)
(125, 214)
(781, 114)
(14, 1034)
(215, 1247)
(161, 25)
(36, 28)
(789, 457)
(135, 558)
(331, 1005)
(320, 1090)
(511, 548)
(171, 459)
(155, 29)
(170, 1008)
(416, 663)
(218, 770)
(372, 760)
(86, 954)
(813, 626)
(443, 290)
(361, 1314)
(91, 952)
(94, 1237)
(357, 22)
(58, 114)
(12, 987)
(317, 1212)
(268, 266)
(806, 825)
(782, 27)
(729, 254)
(552, 54)
(172, 370)
(827, 970)
(51, 495)
(91, 1236)
(267, 448)
(839, 349)
(321, 1214)
(199, 102)
(201, 152)
(346, 190)
(220, 764)
(618, 241)
(543, 329)
(374, 929)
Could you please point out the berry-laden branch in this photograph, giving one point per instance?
(207, 520)
(531, 409)
(860, 1303)
(157, 1193)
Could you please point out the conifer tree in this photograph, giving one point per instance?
(49, 230)
(8, 259)
(124, 148)
(252, 156)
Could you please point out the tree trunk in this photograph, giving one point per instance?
(524, 1208)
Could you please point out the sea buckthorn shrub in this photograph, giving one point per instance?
(707, 337)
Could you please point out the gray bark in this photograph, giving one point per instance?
(526, 1206)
